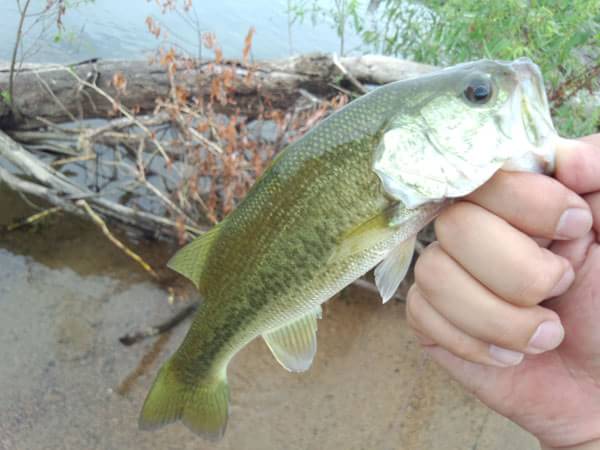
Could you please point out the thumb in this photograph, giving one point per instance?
(578, 163)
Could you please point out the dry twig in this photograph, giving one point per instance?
(111, 237)
(33, 218)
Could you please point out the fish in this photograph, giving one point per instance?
(347, 197)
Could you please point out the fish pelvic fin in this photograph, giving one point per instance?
(190, 260)
(203, 407)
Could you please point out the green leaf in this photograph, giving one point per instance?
(5, 95)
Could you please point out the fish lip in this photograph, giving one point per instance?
(535, 115)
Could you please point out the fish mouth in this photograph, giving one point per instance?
(531, 105)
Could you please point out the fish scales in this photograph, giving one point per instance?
(350, 194)
(241, 279)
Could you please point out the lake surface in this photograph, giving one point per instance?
(117, 29)
(67, 295)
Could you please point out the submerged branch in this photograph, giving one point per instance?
(167, 325)
(111, 237)
(30, 220)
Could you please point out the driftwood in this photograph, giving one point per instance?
(45, 182)
(58, 94)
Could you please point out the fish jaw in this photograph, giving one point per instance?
(534, 124)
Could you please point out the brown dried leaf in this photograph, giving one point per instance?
(209, 40)
(119, 82)
(168, 58)
(230, 134)
(218, 55)
(248, 45)
(153, 27)
(181, 94)
(228, 76)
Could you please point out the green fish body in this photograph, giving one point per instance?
(349, 195)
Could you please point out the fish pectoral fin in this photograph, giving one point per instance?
(365, 236)
(391, 271)
(189, 261)
(294, 345)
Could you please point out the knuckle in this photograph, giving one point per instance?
(538, 278)
(512, 334)
(451, 221)
(464, 349)
(415, 308)
(429, 266)
(411, 298)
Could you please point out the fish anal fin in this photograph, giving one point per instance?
(294, 345)
(189, 261)
(391, 271)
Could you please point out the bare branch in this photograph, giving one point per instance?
(13, 106)
(111, 237)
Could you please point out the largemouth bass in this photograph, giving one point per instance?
(348, 196)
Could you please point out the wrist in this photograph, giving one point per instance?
(591, 445)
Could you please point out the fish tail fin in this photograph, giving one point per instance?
(202, 407)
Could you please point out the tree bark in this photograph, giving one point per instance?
(53, 93)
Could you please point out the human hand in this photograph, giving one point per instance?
(480, 300)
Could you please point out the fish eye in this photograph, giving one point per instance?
(479, 91)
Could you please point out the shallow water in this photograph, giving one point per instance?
(67, 295)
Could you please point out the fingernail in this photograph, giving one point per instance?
(564, 283)
(548, 336)
(504, 356)
(573, 223)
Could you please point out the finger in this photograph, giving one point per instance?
(593, 139)
(594, 201)
(472, 308)
(536, 204)
(434, 328)
(502, 258)
(576, 250)
(578, 164)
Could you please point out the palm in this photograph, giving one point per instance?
(554, 395)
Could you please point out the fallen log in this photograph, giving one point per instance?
(58, 93)
(57, 189)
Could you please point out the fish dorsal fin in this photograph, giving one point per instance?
(189, 261)
(392, 270)
(294, 345)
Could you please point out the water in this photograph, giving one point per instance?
(67, 295)
(109, 29)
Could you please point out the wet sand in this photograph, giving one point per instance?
(67, 295)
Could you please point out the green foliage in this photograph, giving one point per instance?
(452, 31)
(5, 96)
(562, 37)
(576, 119)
